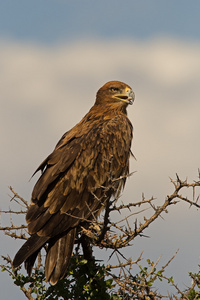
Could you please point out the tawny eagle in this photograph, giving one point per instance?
(77, 179)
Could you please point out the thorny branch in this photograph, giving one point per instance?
(8, 230)
(113, 241)
(18, 198)
(107, 234)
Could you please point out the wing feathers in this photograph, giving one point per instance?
(37, 224)
(55, 164)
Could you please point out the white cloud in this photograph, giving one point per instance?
(46, 90)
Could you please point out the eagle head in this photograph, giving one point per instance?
(115, 92)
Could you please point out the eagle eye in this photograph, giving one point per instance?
(114, 89)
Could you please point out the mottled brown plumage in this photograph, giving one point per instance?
(77, 178)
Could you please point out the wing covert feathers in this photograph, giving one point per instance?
(76, 179)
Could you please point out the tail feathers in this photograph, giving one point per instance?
(29, 262)
(29, 249)
(58, 257)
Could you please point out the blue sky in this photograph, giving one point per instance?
(53, 21)
(54, 55)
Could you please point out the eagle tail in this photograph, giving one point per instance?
(29, 262)
(29, 251)
(58, 256)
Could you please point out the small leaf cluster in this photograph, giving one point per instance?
(84, 280)
(193, 293)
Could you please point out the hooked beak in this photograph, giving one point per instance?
(127, 96)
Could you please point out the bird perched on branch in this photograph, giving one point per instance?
(88, 165)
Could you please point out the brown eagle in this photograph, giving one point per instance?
(77, 179)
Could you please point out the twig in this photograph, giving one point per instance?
(17, 196)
